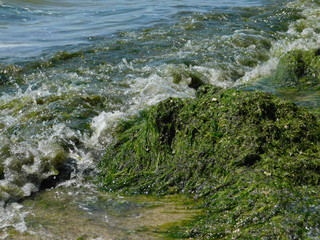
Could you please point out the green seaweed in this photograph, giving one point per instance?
(297, 77)
(253, 158)
(7, 72)
(17, 73)
(299, 68)
(58, 58)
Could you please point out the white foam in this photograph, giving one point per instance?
(12, 215)
(14, 45)
(155, 88)
(29, 188)
(258, 72)
(307, 39)
(102, 125)
(215, 77)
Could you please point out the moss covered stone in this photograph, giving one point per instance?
(251, 156)
(222, 130)
(297, 77)
(299, 68)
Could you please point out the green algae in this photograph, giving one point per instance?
(299, 68)
(232, 128)
(297, 77)
(52, 108)
(253, 158)
(17, 73)
(58, 58)
(8, 72)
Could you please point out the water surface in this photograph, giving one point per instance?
(28, 28)
(69, 71)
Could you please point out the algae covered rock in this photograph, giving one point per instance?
(253, 158)
(185, 144)
(297, 77)
(299, 68)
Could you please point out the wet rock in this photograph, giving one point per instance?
(1, 171)
(187, 75)
(64, 172)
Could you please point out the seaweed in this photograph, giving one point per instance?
(15, 73)
(297, 78)
(253, 158)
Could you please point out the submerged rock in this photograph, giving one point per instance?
(63, 173)
(299, 68)
(193, 78)
(297, 77)
(252, 157)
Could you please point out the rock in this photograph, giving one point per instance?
(64, 172)
(298, 68)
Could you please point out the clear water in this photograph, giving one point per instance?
(58, 109)
(76, 213)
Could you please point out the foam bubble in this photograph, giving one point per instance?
(103, 124)
(12, 215)
(155, 88)
(215, 77)
(258, 72)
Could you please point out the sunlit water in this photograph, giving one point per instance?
(58, 110)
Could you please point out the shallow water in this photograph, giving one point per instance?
(58, 109)
(83, 213)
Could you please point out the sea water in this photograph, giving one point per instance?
(30, 27)
(70, 70)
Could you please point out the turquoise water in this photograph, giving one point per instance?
(70, 71)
